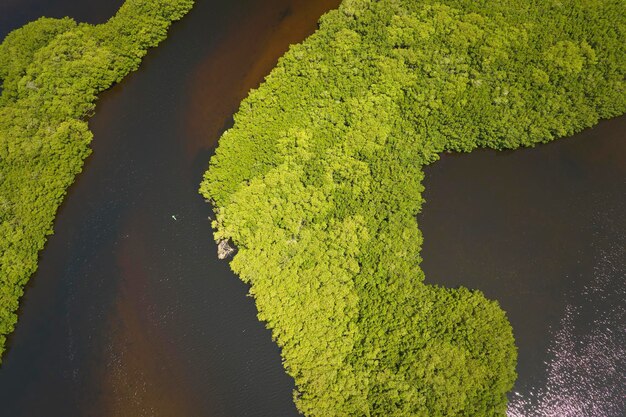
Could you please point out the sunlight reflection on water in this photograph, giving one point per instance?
(586, 372)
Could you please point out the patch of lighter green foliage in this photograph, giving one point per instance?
(51, 72)
(319, 182)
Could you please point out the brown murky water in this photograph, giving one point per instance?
(131, 314)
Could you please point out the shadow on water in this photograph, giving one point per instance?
(542, 231)
(16, 13)
(130, 312)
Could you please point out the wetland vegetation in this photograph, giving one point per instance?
(319, 181)
(317, 184)
(51, 72)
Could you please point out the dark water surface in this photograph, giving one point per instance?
(130, 313)
(543, 231)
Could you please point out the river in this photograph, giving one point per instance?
(131, 314)
(542, 231)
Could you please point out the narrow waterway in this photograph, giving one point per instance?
(542, 231)
(131, 313)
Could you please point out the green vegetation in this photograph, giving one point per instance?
(51, 72)
(319, 182)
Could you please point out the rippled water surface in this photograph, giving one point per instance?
(543, 231)
(585, 367)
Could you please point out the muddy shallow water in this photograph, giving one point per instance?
(130, 312)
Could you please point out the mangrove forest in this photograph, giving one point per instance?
(315, 187)
(51, 72)
(319, 181)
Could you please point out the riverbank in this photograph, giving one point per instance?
(75, 348)
(52, 71)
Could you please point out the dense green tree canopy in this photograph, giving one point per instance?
(319, 181)
(51, 71)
